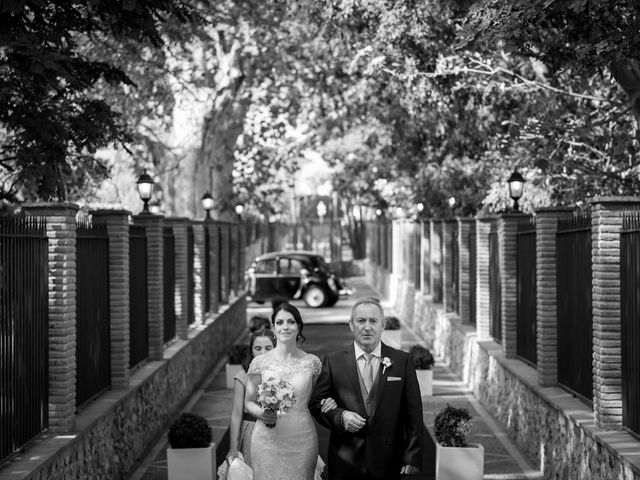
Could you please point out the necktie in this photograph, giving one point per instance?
(368, 371)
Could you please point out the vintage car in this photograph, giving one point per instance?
(291, 275)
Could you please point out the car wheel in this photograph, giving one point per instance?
(315, 296)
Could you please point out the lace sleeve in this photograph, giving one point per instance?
(256, 367)
(316, 365)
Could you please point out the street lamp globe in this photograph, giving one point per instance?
(516, 186)
(378, 212)
(207, 203)
(420, 207)
(145, 189)
(239, 209)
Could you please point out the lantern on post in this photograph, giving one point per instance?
(207, 204)
(145, 189)
(516, 186)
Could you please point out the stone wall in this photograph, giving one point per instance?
(115, 432)
(550, 427)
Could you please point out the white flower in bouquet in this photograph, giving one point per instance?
(276, 395)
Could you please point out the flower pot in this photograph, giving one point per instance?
(460, 463)
(192, 463)
(231, 369)
(393, 338)
(425, 379)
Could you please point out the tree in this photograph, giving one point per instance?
(52, 121)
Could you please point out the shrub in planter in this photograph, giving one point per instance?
(237, 353)
(192, 455)
(423, 362)
(421, 357)
(456, 459)
(190, 431)
(392, 323)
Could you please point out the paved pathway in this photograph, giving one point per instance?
(327, 329)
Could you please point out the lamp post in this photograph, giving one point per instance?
(516, 185)
(145, 189)
(239, 210)
(207, 204)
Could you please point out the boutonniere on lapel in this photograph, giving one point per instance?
(386, 363)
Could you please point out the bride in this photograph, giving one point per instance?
(289, 451)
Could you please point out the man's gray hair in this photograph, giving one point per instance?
(366, 300)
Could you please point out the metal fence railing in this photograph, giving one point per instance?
(169, 283)
(206, 284)
(575, 326)
(191, 286)
(436, 262)
(472, 274)
(138, 296)
(24, 327)
(526, 309)
(93, 358)
(495, 285)
(630, 319)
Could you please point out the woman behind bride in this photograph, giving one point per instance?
(288, 451)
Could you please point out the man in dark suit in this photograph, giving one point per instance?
(377, 428)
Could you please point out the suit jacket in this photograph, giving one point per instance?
(393, 435)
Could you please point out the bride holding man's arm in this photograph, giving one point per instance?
(288, 450)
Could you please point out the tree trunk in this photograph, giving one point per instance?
(627, 74)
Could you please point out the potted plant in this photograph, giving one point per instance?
(235, 356)
(456, 459)
(423, 362)
(391, 334)
(191, 453)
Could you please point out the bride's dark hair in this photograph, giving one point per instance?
(287, 307)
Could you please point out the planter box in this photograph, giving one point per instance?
(192, 463)
(460, 463)
(231, 370)
(393, 338)
(425, 379)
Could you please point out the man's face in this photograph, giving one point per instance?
(367, 326)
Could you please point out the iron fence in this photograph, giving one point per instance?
(575, 328)
(191, 286)
(169, 283)
(436, 262)
(138, 296)
(472, 274)
(630, 319)
(93, 356)
(207, 270)
(24, 339)
(526, 308)
(495, 285)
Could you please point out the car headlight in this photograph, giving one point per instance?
(332, 284)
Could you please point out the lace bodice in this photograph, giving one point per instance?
(298, 372)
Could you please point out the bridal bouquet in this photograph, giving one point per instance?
(277, 396)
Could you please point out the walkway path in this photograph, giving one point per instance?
(327, 329)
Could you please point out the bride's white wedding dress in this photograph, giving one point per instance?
(290, 450)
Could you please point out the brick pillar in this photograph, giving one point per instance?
(606, 222)
(448, 227)
(214, 266)
(179, 226)
(483, 228)
(546, 304)
(198, 270)
(155, 284)
(466, 228)
(117, 222)
(61, 230)
(507, 230)
(396, 250)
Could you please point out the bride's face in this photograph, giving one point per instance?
(285, 327)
